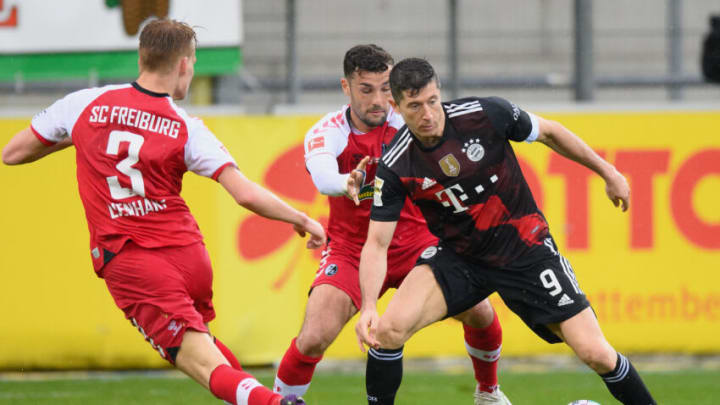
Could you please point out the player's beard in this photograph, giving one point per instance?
(367, 120)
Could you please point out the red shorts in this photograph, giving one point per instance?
(340, 262)
(163, 292)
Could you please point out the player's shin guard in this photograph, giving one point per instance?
(239, 388)
(626, 385)
(228, 354)
(483, 346)
(383, 375)
(295, 372)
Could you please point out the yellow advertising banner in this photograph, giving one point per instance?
(651, 273)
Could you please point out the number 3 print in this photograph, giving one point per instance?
(125, 166)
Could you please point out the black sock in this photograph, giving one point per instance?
(383, 375)
(626, 385)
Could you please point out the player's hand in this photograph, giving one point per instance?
(316, 231)
(356, 179)
(618, 190)
(365, 329)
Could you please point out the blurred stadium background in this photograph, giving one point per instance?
(626, 76)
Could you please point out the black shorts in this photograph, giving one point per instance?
(544, 293)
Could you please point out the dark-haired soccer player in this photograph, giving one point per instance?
(133, 145)
(342, 153)
(455, 162)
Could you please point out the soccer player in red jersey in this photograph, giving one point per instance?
(133, 145)
(342, 154)
(454, 160)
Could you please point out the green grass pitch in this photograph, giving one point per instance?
(548, 388)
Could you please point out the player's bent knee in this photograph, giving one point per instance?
(390, 336)
(597, 358)
(480, 316)
(313, 341)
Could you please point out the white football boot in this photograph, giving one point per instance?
(496, 397)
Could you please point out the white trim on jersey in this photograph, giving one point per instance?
(332, 132)
(204, 153)
(325, 173)
(394, 119)
(402, 144)
(535, 128)
(56, 122)
(455, 110)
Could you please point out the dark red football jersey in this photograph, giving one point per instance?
(469, 187)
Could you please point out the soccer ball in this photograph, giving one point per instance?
(583, 402)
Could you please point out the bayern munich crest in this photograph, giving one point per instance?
(473, 150)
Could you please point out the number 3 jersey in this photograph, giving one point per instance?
(469, 186)
(132, 148)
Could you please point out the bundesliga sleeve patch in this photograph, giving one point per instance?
(316, 143)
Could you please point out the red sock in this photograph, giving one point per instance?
(228, 354)
(295, 371)
(483, 346)
(240, 388)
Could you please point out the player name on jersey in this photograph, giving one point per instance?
(104, 114)
(136, 208)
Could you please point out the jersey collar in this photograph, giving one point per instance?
(148, 92)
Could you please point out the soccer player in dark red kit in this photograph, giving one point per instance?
(455, 162)
(133, 145)
(342, 154)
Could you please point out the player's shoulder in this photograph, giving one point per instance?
(333, 124)
(395, 119)
(191, 121)
(398, 147)
(84, 97)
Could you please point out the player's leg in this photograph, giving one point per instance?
(439, 286)
(229, 355)
(200, 359)
(418, 302)
(583, 334)
(483, 341)
(384, 367)
(548, 298)
(170, 306)
(332, 302)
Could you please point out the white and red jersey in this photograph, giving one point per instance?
(334, 136)
(132, 148)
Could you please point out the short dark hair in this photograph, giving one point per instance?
(367, 58)
(411, 74)
(163, 42)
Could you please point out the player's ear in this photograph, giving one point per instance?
(345, 86)
(183, 65)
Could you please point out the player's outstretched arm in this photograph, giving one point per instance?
(373, 268)
(264, 203)
(24, 147)
(563, 141)
(326, 176)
